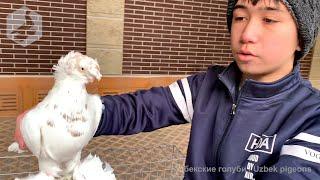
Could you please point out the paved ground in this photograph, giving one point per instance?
(166, 145)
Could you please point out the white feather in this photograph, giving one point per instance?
(14, 147)
(39, 176)
(92, 169)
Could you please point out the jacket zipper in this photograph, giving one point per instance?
(232, 113)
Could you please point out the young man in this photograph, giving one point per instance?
(255, 119)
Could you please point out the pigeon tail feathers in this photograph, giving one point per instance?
(92, 168)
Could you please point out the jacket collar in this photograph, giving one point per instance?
(231, 77)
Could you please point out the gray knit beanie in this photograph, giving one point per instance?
(307, 16)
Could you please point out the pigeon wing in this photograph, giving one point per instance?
(94, 107)
(31, 131)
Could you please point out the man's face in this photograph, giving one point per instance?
(264, 38)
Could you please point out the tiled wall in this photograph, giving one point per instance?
(57, 27)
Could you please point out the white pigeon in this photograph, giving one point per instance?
(58, 128)
(92, 169)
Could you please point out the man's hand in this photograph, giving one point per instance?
(17, 134)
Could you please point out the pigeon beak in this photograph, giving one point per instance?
(99, 77)
(96, 74)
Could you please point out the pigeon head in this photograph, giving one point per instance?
(77, 66)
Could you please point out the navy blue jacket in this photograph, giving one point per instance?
(262, 131)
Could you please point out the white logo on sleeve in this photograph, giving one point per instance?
(301, 152)
(261, 143)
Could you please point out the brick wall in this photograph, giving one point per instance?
(63, 29)
(174, 36)
(306, 64)
(160, 36)
(177, 36)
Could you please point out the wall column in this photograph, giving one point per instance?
(105, 22)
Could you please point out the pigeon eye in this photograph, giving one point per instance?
(82, 69)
